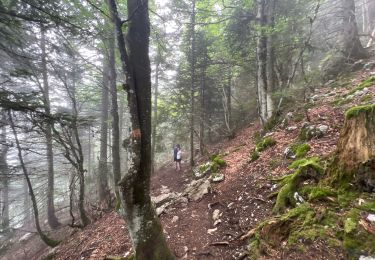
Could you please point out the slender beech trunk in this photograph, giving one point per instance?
(227, 105)
(52, 219)
(192, 87)
(103, 188)
(4, 176)
(144, 227)
(50, 242)
(116, 163)
(270, 66)
(155, 111)
(262, 62)
(202, 105)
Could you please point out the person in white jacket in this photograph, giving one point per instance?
(178, 157)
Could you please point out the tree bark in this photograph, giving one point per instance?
(103, 188)
(144, 227)
(4, 176)
(116, 163)
(349, 43)
(155, 110)
(262, 62)
(270, 66)
(355, 154)
(192, 87)
(52, 219)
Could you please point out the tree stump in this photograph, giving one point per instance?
(355, 155)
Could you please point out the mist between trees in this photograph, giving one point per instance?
(86, 115)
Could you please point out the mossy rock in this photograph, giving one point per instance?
(265, 143)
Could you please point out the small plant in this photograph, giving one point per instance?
(254, 156)
(265, 143)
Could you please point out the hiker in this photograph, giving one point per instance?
(177, 154)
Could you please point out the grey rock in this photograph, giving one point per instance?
(197, 189)
(216, 215)
(291, 128)
(323, 129)
(369, 65)
(288, 153)
(218, 177)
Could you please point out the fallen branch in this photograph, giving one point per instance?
(249, 234)
(222, 243)
(367, 226)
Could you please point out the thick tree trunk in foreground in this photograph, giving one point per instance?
(52, 219)
(4, 210)
(50, 242)
(355, 157)
(103, 189)
(144, 227)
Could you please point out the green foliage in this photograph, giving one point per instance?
(356, 111)
(349, 225)
(265, 143)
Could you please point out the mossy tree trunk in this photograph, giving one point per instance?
(355, 155)
(144, 227)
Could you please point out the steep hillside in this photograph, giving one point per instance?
(212, 222)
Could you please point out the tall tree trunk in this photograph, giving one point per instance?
(116, 163)
(271, 77)
(155, 110)
(262, 62)
(103, 188)
(202, 105)
(4, 176)
(192, 87)
(145, 229)
(349, 44)
(48, 241)
(52, 219)
(123, 130)
(227, 105)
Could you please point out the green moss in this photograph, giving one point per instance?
(313, 162)
(355, 111)
(254, 156)
(367, 83)
(368, 206)
(364, 84)
(300, 150)
(367, 98)
(319, 192)
(346, 197)
(341, 101)
(219, 161)
(265, 143)
(304, 169)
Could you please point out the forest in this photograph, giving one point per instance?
(187, 129)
